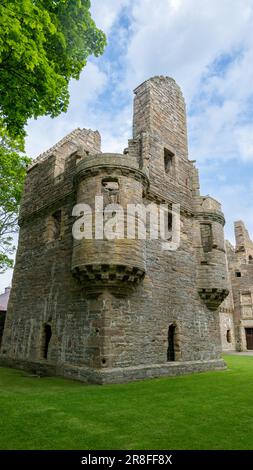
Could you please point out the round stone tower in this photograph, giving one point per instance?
(107, 256)
(212, 270)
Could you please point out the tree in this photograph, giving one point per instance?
(12, 173)
(43, 44)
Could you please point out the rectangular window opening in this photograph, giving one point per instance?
(169, 161)
(110, 190)
(206, 237)
(54, 226)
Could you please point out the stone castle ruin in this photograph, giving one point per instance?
(105, 311)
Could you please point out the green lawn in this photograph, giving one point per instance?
(212, 410)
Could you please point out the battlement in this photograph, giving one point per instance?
(85, 137)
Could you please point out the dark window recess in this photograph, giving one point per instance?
(249, 338)
(57, 224)
(206, 237)
(2, 322)
(167, 224)
(250, 259)
(229, 336)
(54, 225)
(169, 221)
(171, 345)
(110, 190)
(46, 340)
(238, 274)
(169, 161)
(78, 158)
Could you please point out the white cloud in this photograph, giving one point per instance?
(236, 205)
(106, 12)
(244, 136)
(184, 39)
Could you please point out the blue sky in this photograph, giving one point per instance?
(207, 46)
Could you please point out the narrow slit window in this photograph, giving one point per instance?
(166, 224)
(169, 225)
(171, 343)
(169, 221)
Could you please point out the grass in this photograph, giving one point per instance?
(212, 410)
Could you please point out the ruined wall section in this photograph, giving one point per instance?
(50, 175)
(244, 245)
(240, 262)
(44, 290)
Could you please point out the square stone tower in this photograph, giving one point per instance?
(112, 310)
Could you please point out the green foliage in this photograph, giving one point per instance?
(43, 44)
(211, 410)
(12, 174)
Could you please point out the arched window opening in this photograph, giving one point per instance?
(229, 336)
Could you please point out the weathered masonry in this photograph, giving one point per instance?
(116, 310)
(236, 312)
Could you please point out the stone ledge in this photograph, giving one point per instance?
(211, 216)
(115, 375)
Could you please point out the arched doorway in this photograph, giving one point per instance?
(249, 338)
(229, 336)
(47, 334)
